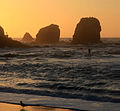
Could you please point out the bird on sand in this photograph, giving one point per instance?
(22, 104)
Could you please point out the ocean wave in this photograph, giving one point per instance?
(60, 94)
(117, 52)
(9, 55)
(62, 52)
(63, 71)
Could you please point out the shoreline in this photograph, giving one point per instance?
(7, 106)
(12, 100)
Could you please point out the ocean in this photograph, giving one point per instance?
(63, 75)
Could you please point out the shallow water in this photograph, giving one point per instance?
(63, 71)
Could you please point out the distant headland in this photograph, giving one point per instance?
(87, 32)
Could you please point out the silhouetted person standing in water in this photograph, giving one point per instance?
(89, 52)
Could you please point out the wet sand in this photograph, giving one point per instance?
(14, 107)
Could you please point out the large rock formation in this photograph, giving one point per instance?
(87, 31)
(27, 37)
(8, 42)
(48, 35)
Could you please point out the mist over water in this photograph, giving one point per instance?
(63, 71)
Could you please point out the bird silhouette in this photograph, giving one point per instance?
(22, 104)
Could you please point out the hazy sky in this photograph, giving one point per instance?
(20, 16)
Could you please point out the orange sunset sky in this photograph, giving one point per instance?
(20, 16)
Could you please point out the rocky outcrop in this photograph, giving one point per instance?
(27, 37)
(1, 31)
(48, 35)
(87, 31)
(8, 42)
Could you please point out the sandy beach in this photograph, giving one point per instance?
(13, 107)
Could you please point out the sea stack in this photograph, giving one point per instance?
(87, 31)
(27, 37)
(48, 35)
(5, 41)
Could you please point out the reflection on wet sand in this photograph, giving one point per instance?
(11, 107)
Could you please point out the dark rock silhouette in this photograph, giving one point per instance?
(48, 35)
(87, 31)
(1, 31)
(27, 37)
(8, 42)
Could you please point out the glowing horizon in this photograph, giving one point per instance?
(21, 16)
